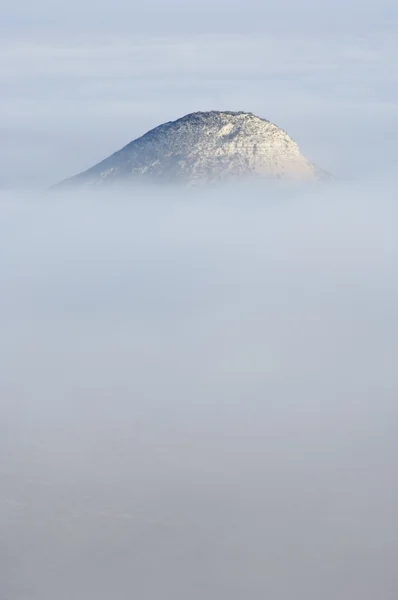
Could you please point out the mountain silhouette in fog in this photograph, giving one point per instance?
(204, 147)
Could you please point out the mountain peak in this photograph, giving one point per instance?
(205, 147)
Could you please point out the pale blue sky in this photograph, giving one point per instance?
(182, 16)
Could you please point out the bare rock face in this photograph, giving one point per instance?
(205, 147)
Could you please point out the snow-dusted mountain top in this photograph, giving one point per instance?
(205, 147)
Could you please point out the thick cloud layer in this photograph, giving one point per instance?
(199, 394)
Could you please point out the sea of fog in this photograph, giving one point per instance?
(199, 393)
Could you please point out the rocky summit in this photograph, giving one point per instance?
(205, 147)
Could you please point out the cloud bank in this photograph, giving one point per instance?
(199, 394)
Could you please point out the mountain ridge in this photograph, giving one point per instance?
(204, 147)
